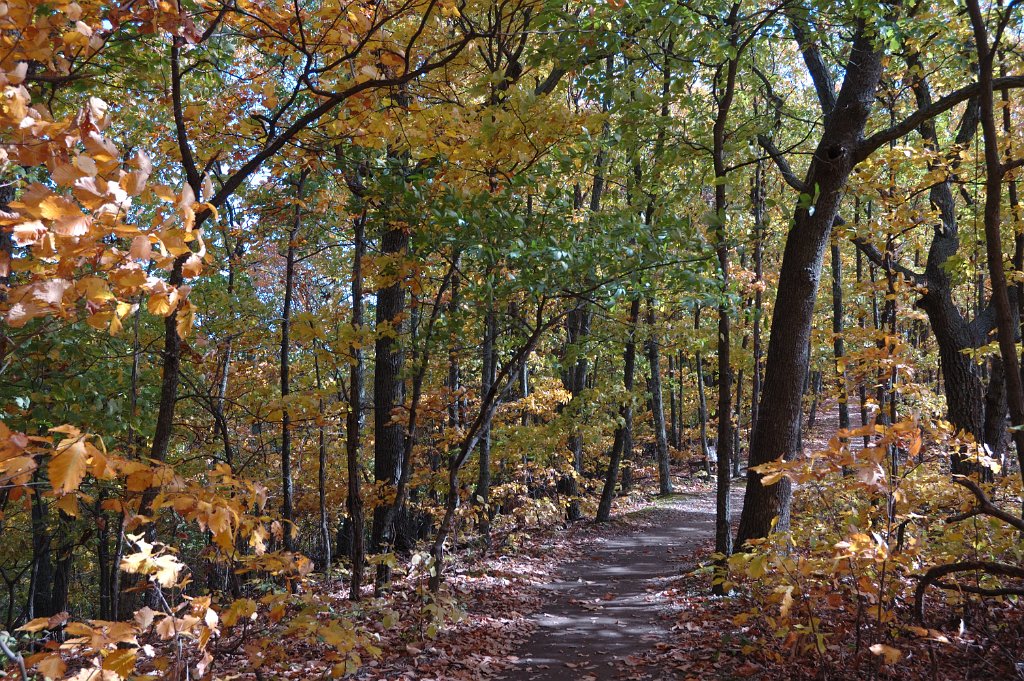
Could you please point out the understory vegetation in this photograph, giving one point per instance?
(331, 329)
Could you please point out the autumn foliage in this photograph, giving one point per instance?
(310, 307)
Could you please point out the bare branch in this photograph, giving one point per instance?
(936, 573)
(940, 106)
(985, 505)
(783, 165)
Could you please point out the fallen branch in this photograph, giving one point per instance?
(982, 591)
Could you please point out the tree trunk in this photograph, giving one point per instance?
(321, 487)
(758, 201)
(838, 344)
(488, 374)
(994, 171)
(775, 433)
(672, 408)
(388, 393)
(574, 379)
(963, 384)
(702, 414)
(657, 404)
(287, 484)
(354, 418)
(622, 431)
(578, 328)
(723, 506)
(702, 403)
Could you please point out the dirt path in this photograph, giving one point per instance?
(608, 606)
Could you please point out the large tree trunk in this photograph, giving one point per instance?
(775, 433)
(963, 385)
(388, 393)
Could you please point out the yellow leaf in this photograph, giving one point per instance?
(72, 225)
(40, 623)
(192, 267)
(787, 601)
(54, 207)
(165, 628)
(165, 193)
(67, 468)
(186, 318)
(69, 504)
(889, 654)
(121, 662)
(17, 470)
(141, 249)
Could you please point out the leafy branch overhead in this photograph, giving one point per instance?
(327, 328)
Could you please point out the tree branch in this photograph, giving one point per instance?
(908, 124)
(878, 258)
(936, 573)
(985, 505)
(783, 165)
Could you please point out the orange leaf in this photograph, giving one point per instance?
(68, 466)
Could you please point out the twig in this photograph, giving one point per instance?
(14, 657)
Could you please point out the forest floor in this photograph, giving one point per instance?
(591, 601)
(628, 600)
(610, 607)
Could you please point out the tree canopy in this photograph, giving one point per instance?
(311, 298)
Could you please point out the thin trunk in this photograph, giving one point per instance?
(489, 402)
(287, 483)
(680, 363)
(702, 403)
(862, 387)
(702, 414)
(325, 525)
(838, 345)
(994, 172)
(455, 406)
(737, 413)
(575, 380)
(758, 200)
(622, 435)
(672, 409)
(578, 324)
(354, 418)
(489, 369)
(657, 404)
(723, 506)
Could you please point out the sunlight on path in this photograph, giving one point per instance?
(608, 606)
